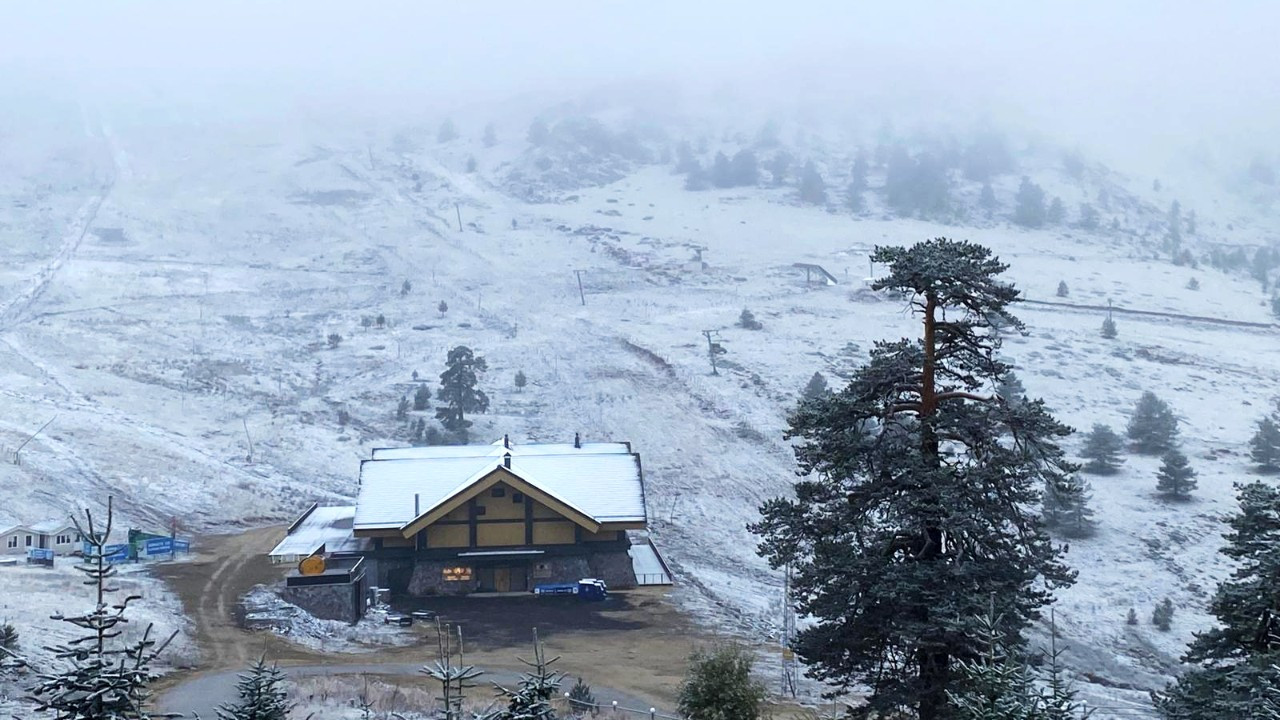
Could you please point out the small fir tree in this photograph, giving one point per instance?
(747, 320)
(1109, 328)
(8, 637)
(814, 389)
(454, 678)
(262, 695)
(1193, 284)
(780, 167)
(334, 340)
(99, 676)
(1101, 451)
(1062, 289)
(402, 408)
(1065, 507)
(1175, 479)
(532, 698)
(987, 199)
(1152, 428)
(1132, 618)
(581, 700)
(521, 380)
(718, 686)
(405, 288)
(995, 683)
(1057, 212)
(422, 398)
(813, 190)
(458, 391)
(443, 308)
(1162, 616)
(1029, 210)
(1090, 219)
(1058, 698)
(447, 132)
(1264, 447)
(1234, 665)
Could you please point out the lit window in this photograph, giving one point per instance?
(457, 574)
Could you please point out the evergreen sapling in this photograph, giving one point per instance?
(1175, 479)
(1102, 447)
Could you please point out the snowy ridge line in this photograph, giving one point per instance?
(1155, 313)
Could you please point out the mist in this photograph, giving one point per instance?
(1139, 80)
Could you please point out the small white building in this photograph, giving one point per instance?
(57, 535)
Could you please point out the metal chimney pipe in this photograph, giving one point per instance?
(577, 440)
(416, 511)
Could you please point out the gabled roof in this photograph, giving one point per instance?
(49, 527)
(596, 487)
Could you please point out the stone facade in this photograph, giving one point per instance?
(337, 601)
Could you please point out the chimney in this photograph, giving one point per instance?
(577, 440)
(506, 442)
(506, 461)
(416, 511)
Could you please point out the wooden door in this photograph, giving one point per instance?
(502, 579)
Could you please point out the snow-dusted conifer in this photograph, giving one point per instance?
(1264, 447)
(1234, 665)
(1175, 479)
(1102, 448)
(1152, 428)
(97, 675)
(262, 695)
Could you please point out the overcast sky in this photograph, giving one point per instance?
(1148, 72)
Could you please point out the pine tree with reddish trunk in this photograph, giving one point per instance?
(913, 508)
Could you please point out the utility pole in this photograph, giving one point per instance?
(458, 210)
(17, 454)
(581, 294)
(788, 636)
(713, 348)
(245, 423)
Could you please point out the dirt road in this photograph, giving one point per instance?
(639, 643)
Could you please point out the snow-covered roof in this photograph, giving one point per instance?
(322, 527)
(48, 527)
(498, 449)
(606, 486)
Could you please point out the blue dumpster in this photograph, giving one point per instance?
(585, 589)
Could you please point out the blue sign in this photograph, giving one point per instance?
(159, 546)
(40, 554)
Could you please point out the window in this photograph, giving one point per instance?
(499, 492)
(480, 510)
(28, 541)
(13, 541)
(63, 540)
(517, 497)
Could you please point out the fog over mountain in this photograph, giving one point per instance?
(1138, 79)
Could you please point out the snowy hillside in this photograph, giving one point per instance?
(172, 289)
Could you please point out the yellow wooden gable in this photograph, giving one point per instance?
(505, 476)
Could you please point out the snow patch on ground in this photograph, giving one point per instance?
(264, 608)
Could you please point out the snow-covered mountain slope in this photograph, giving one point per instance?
(188, 330)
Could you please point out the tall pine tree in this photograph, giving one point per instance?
(458, 393)
(1236, 662)
(911, 511)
